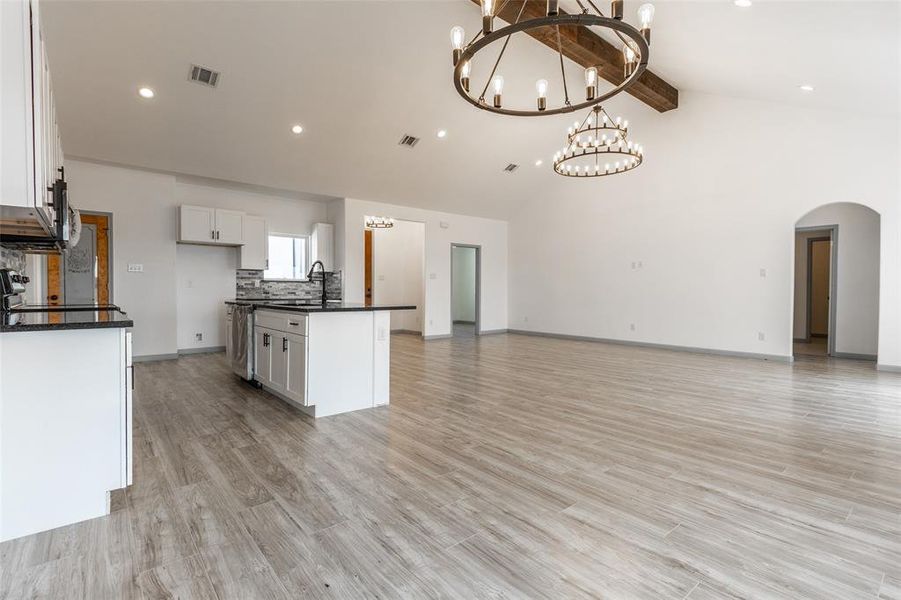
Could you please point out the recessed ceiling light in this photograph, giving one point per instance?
(743, 3)
(538, 162)
(297, 129)
(806, 88)
(442, 133)
(145, 92)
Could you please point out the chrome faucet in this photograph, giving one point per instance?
(321, 270)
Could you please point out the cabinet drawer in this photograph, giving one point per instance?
(281, 321)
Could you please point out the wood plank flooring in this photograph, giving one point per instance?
(506, 467)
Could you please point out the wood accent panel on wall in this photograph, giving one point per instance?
(588, 49)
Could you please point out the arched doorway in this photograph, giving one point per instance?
(836, 288)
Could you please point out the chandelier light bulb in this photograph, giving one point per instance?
(541, 90)
(457, 35)
(646, 15)
(498, 84)
(487, 16)
(591, 83)
(464, 75)
(625, 124)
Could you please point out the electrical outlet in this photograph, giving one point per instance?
(198, 337)
(763, 272)
(525, 319)
(761, 336)
(632, 326)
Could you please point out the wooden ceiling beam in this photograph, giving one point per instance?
(586, 48)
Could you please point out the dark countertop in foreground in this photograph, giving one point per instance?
(51, 320)
(290, 305)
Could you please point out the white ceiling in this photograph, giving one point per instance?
(359, 75)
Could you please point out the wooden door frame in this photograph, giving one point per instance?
(56, 262)
(478, 291)
(833, 281)
(368, 263)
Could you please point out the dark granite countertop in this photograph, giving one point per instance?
(57, 318)
(302, 306)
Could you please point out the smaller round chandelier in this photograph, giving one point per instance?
(597, 147)
(379, 222)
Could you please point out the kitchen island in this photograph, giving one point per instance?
(65, 415)
(325, 359)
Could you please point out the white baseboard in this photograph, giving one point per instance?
(697, 350)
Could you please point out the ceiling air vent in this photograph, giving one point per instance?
(408, 141)
(510, 168)
(204, 76)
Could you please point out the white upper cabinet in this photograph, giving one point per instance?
(229, 226)
(254, 252)
(31, 153)
(196, 224)
(214, 226)
(322, 244)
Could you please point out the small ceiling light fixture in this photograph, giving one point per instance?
(442, 133)
(743, 3)
(297, 129)
(146, 92)
(489, 96)
(379, 222)
(806, 88)
(539, 162)
(598, 146)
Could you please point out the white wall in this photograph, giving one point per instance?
(490, 234)
(716, 201)
(857, 279)
(165, 310)
(206, 277)
(397, 269)
(463, 278)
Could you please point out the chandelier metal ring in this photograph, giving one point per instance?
(598, 170)
(636, 39)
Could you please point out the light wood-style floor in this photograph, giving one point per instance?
(506, 467)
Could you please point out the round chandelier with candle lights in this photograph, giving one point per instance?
(373, 222)
(598, 146)
(635, 49)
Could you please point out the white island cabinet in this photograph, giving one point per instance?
(325, 362)
(66, 385)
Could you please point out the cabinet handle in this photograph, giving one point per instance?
(265, 339)
(293, 323)
(212, 234)
(284, 344)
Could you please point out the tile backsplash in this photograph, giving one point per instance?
(250, 284)
(11, 258)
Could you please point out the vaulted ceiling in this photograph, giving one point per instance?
(359, 75)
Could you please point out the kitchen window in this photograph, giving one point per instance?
(288, 257)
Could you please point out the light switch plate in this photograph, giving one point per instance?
(135, 268)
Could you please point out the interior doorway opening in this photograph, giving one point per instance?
(836, 287)
(394, 272)
(815, 257)
(83, 274)
(465, 290)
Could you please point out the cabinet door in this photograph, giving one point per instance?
(322, 242)
(296, 382)
(253, 252)
(279, 368)
(229, 226)
(195, 224)
(262, 355)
